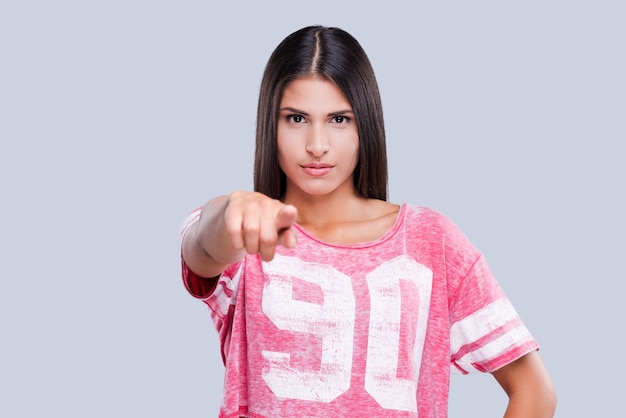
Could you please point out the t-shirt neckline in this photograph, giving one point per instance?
(388, 234)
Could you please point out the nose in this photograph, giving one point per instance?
(317, 141)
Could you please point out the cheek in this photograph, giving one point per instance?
(289, 143)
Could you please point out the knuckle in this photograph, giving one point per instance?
(251, 230)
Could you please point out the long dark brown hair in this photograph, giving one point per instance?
(333, 54)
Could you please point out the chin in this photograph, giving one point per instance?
(321, 188)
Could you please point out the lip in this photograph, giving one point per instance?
(317, 169)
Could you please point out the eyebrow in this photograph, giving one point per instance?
(302, 112)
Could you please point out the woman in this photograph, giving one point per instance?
(328, 299)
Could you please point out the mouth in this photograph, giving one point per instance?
(317, 169)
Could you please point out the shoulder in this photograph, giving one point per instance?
(434, 225)
(425, 217)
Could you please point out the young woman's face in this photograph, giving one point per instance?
(317, 138)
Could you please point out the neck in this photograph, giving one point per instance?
(327, 209)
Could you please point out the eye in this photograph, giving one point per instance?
(340, 119)
(295, 118)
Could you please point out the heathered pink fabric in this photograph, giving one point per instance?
(371, 329)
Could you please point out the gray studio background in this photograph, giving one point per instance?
(119, 117)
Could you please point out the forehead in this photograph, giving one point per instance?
(314, 92)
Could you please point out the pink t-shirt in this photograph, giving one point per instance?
(370, 329)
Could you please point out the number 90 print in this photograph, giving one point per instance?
(334, 322)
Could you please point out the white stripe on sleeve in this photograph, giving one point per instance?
(481, 323)
(515, 337)
(189, 220)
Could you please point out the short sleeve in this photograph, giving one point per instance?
(198, 287)
(486, 332)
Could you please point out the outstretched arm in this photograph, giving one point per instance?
(229, 226)
(529, 388)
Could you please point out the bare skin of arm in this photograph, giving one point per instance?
(229, 226)
(529, 388)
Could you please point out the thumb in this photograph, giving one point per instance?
(286, 217)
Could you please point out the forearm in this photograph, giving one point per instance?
(207, 247)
